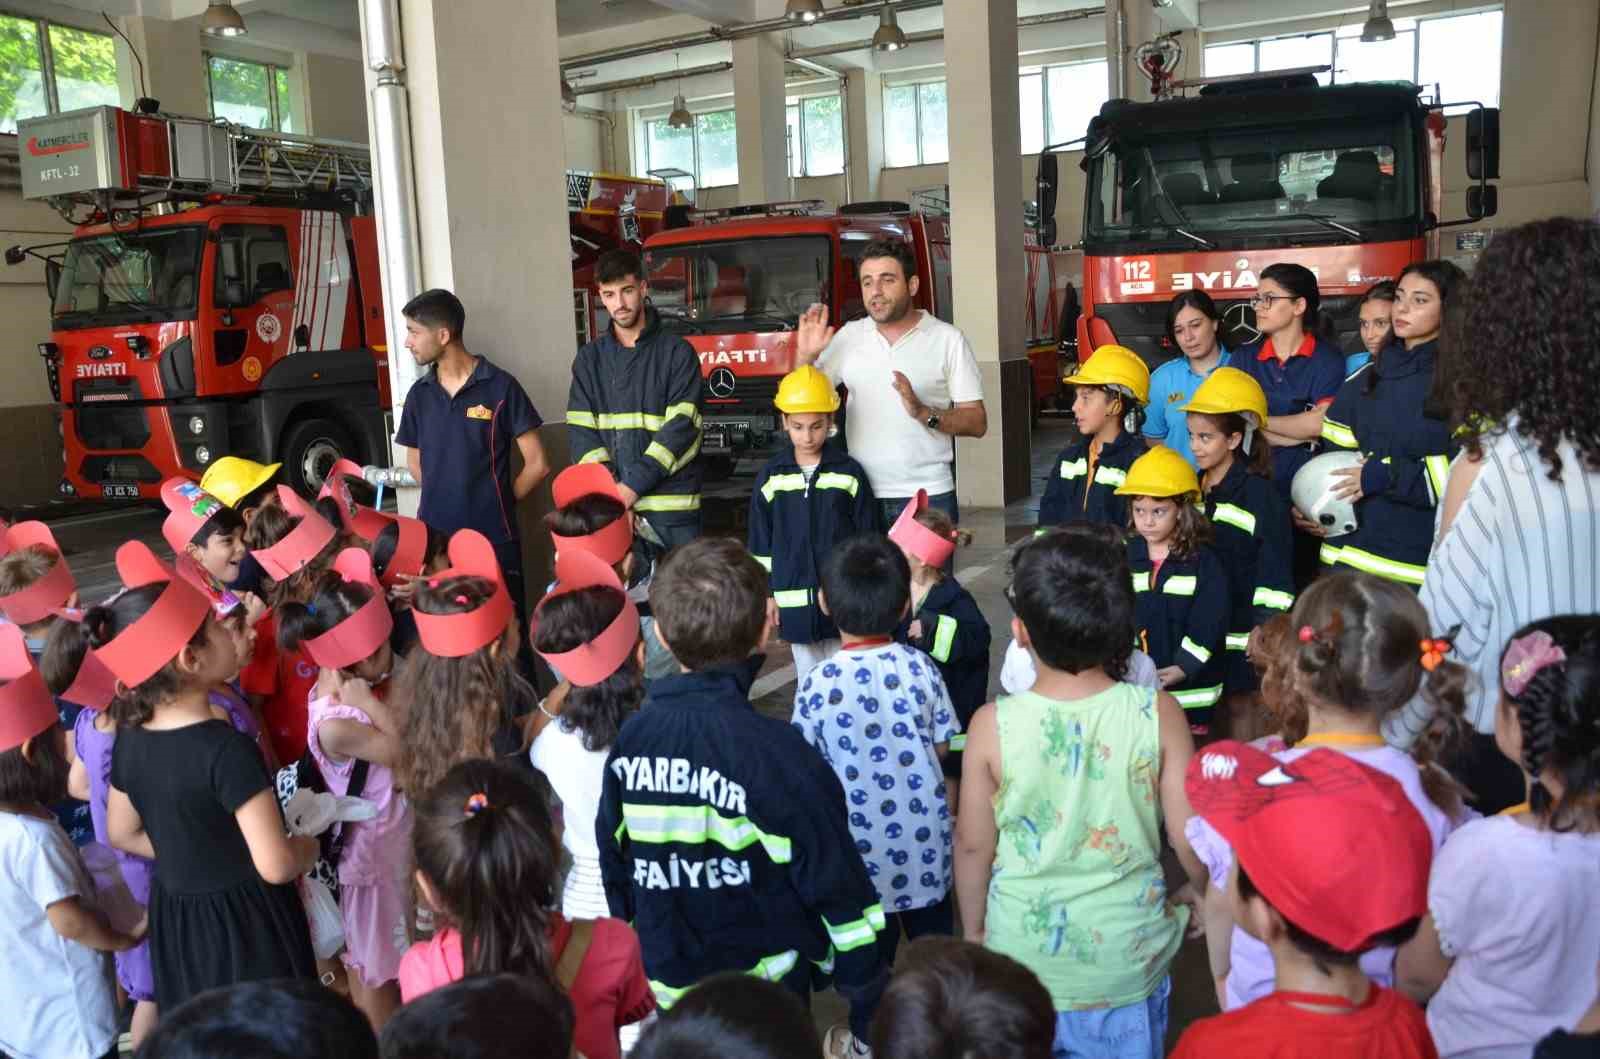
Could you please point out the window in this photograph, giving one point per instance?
(816, 136)
(915, 120)
(1460, 54)
(709, 149)
(727, 285)
(84, 67)
(1073, 96)
(116, 279)
(1031, 111)
(251, 94)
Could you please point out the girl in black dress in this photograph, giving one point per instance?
(192, 793)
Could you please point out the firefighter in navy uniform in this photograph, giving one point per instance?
(635, 405)
(1113, 386)
(1180, 586)
(808, 498)
(724, 837)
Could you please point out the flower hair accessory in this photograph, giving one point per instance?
(476, 803)
(1525, 657)
(1307, 634)
(1433, 652)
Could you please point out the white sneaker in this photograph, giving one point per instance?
(840, 1043)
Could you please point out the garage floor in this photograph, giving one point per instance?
(90, 540)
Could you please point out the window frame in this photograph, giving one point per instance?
(47, 63)
(694, 143)
(916, 83)
(1044, 86)
(797, 160)
(273, 70)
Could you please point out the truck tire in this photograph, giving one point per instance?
(310, 449)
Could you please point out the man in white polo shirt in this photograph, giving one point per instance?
(913, 382)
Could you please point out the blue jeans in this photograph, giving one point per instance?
(1133, 1031)
(946, 502)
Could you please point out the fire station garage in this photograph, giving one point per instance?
(215, 212)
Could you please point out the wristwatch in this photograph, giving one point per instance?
(932, 422)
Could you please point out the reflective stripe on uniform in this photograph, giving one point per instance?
(792, 597)
(944, 638)
(678, 502)
(1329, 554)
(699, 824)
(599, 455)
(863, 931)
(1181, 585)
(661, 454)
(684, 460)
(958, 742)
(1272, 597)
(1196, 650)
(1238, 641)
(1198, 698)
(1339, 434)
(578, 418)
(1112, 476)
(1438, 473)
(1389, 569)
(771, 968)
(1074, 468)
(783, 483)
(685, 409)
(849, 483)
(765, 561)
(1141, 581)
(1236, 517)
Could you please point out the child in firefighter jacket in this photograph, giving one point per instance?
(1112, 389)
(723, 837)
(806, 500)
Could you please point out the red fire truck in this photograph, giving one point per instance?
(735, 281)
(221, 295)
(1202, 193)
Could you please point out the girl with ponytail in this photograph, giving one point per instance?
(1507, 950)
(488, 864)
(1353, 649)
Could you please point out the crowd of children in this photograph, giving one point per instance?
(314, 705)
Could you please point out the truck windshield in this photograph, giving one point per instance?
(1337, 180)
(148, 276)
(726, 286)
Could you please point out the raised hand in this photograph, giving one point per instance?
(812, 335)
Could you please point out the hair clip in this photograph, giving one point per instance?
(476, 804)
(462, 599)
(1525, 657)
(311, 609)
(1307, 634)
(1433, 652)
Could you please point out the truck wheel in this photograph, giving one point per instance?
(309, 451)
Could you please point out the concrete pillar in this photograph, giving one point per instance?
(174, 64)
(491, 199)
(986, 240)
(864, 132)
(758, 95)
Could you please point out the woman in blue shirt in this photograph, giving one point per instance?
(1192, 322)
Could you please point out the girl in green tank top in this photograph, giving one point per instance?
(1066, 789)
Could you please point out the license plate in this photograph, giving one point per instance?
(119, 491)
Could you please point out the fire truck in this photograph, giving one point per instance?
(734, 282)
(1202, 193)
(220, 294)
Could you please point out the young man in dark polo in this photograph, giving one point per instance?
(460, 423)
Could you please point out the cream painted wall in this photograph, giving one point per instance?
(336, 97)
(584, 139)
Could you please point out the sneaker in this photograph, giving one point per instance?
(840, 1043)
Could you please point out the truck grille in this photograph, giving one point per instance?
(106, 469)
(751, 394)
(102, 427)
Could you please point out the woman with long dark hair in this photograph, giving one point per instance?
(1519, 537)
(1381, 412)
(1192, 325)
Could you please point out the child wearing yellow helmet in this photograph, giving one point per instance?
(1253, 533)
(1181, 602)
(1112, 389)
(810, 496)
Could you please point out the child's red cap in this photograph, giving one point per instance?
(1333, 844)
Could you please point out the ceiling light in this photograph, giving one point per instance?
(222, 19)
(803, 10)
(1378, 26)
(680, 118)
(889, 36)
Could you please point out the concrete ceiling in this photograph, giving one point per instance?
(336, 14)
(586, 16)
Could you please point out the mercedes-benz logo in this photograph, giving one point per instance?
(1240, 319)
(722, 382)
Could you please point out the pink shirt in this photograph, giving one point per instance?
(1251, 973)
(1516, 909)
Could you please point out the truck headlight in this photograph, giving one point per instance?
(202, 455)
(197, 425)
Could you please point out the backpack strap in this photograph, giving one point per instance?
(358, 784)
(572, 956)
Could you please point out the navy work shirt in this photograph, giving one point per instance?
(464, 444)
(1309, 379)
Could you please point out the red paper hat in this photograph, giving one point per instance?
(457, 635)
(301, 544)
(364, 522)
(918, 539)
(95, 686)
(359, 636)
(26, 708)
(1308, 832)
(48, 594)
(188, 508)
(410, 549)
(138, 652)
(590, 663)
(223, 601)
(612, 541)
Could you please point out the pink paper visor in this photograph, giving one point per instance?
(188, 508)
(918, 539)
(410, 549)
(458, 635)
(301, 544)
(359, 636)
(48, 594)
(139, 651)
(610, 542)
(26, 707)
(590, 663)
(364, 522)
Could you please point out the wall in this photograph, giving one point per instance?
(586, 142)
(1592, 167)
(336, 97)
(30, 454)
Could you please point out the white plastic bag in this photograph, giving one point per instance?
(322, 916)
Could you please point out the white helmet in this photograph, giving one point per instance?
(1312, 492)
